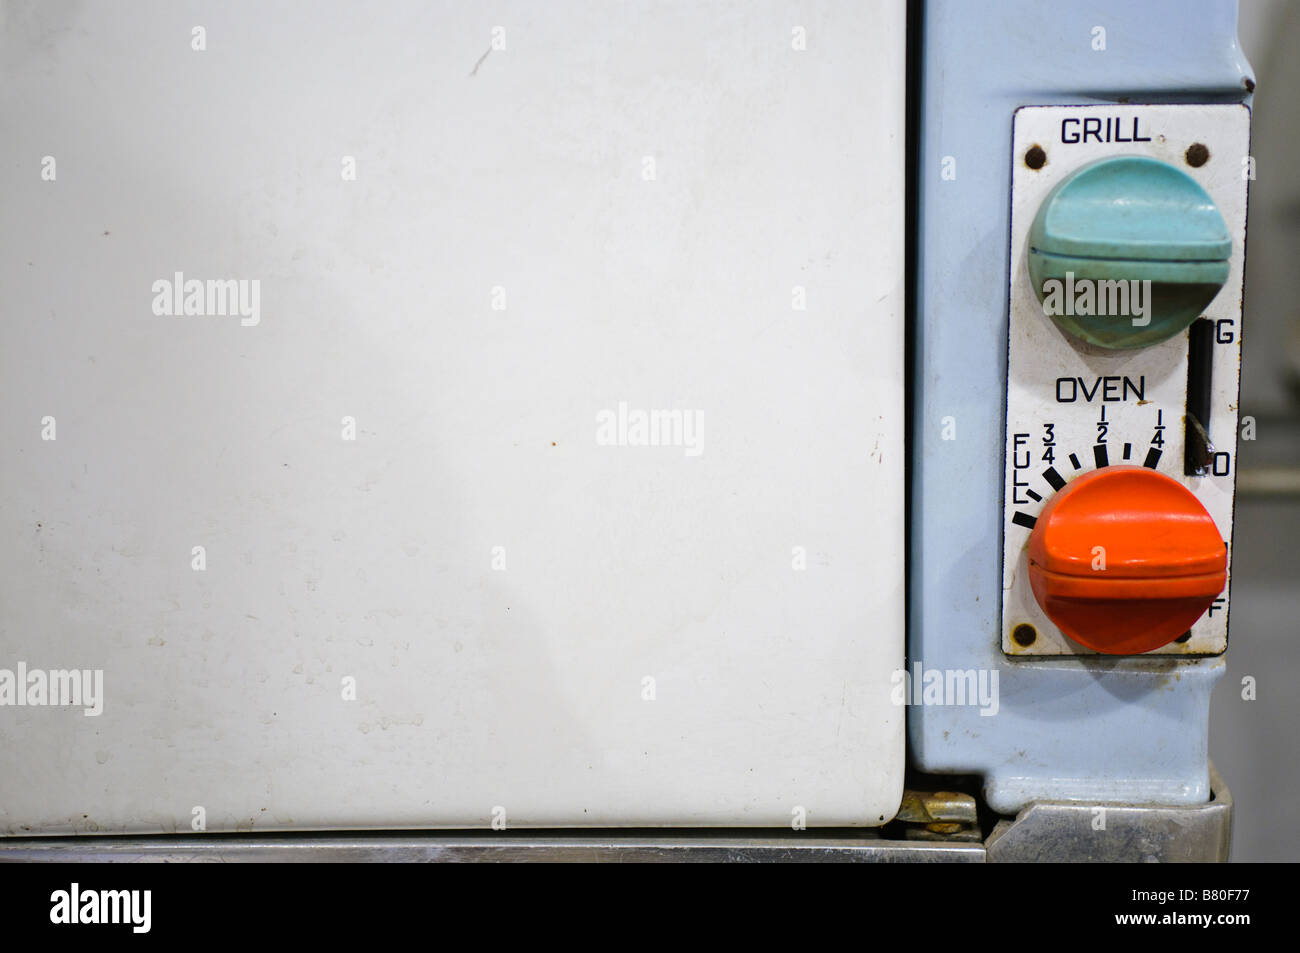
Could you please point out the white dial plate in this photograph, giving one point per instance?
(1065, 397)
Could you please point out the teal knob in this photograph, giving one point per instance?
(1126, 252)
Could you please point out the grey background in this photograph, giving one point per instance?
(1256, 744)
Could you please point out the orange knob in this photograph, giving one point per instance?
(1125, 559)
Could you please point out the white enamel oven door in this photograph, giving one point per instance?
(414, 417)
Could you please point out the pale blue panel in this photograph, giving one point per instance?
(1096, 728)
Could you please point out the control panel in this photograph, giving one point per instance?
(1124, 343)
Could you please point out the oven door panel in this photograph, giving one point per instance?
(556, 476)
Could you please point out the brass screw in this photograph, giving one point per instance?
(1024, 634)
(1197, 155)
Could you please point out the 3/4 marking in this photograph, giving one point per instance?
(1054, 478)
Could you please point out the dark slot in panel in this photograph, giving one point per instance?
(1200, 358)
